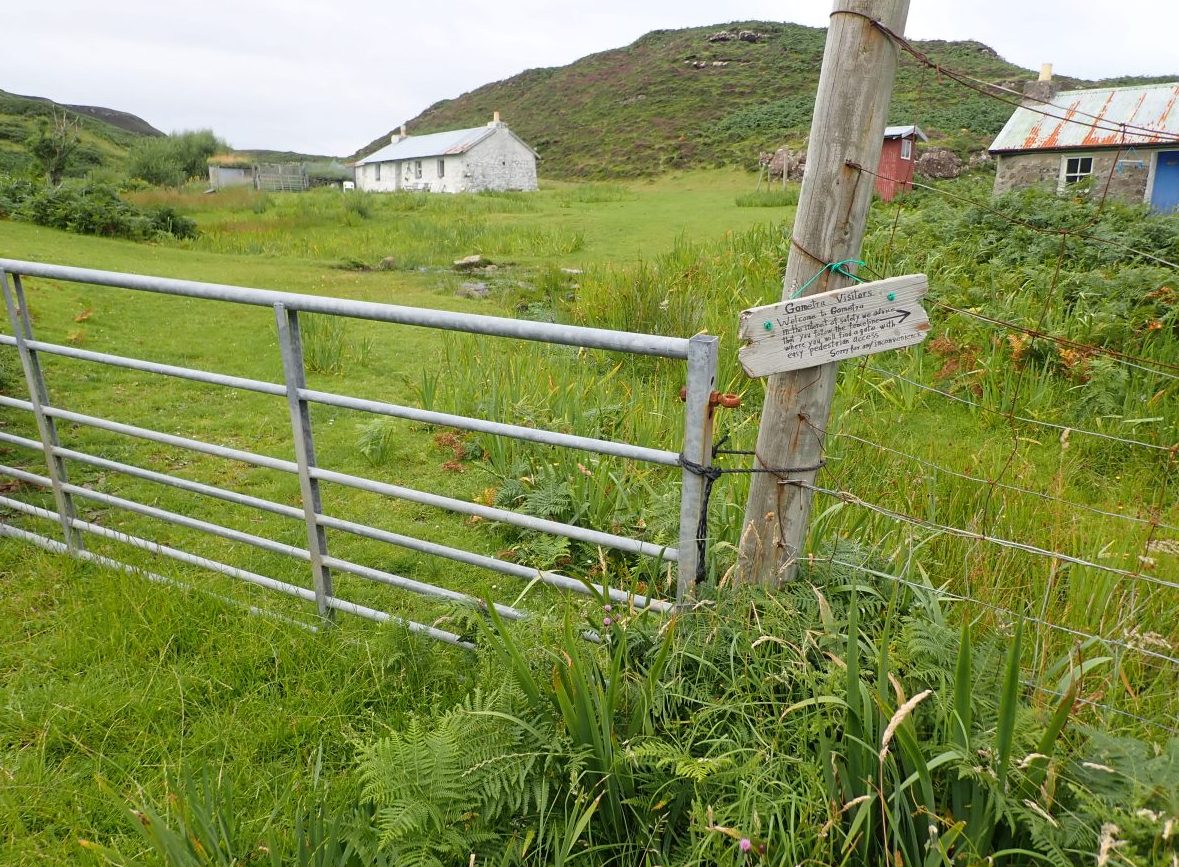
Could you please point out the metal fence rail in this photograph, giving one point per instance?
(699, 353)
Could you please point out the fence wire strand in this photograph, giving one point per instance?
(1043, 495)
(852, 499)
(1033, 421)
(999, 93)
(943, 593)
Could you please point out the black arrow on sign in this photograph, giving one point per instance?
(903, 314)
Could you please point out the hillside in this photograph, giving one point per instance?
(121, 119)
(106, 134)
(681, 98)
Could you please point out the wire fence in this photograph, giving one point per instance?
(1055, 553)
(1084, 562)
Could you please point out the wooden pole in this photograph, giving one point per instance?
(851, 109)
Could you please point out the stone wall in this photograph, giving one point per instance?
(1127, 178)
(500, 162)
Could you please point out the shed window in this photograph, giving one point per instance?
(376, 171)
(441, 168)
(1077, 169)
(417, 168)
(906, 148)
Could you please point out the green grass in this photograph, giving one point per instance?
(770, 198)
(101, 145)
(118, 690)
(115, 688)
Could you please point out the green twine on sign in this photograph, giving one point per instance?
(835, 268)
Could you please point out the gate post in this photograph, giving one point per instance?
(851, 109)
(290, 344)
(22, 330)
(701, 380)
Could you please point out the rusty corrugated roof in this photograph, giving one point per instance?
(1103, 117)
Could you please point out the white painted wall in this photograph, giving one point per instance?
(499, 162)
(366, 177)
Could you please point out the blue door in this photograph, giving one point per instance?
(1165, 196)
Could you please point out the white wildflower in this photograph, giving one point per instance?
(899, 717)
(1108, 842)
(1040, 811)
(1029, 758)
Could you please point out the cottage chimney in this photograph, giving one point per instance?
(495, 121)
(1042, 90)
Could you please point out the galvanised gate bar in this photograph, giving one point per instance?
(699, 353)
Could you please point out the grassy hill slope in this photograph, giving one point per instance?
(106, 134)
(676, 99)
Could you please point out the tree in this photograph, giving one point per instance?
(170, 161)
(54, 143)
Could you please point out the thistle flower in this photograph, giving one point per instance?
(606, 621)
(745, 845)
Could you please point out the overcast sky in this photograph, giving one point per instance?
(320, 78)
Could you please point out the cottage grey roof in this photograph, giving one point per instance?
(905, 132)
(437, 144)
(1102, 117)
(455, 141)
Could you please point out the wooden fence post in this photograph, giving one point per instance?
(851, 110)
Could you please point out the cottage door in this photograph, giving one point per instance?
(1165, 196)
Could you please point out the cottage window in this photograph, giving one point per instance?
(1077, 169)
(376, 171)
(417, 168)
(441, 168)
(906, 148)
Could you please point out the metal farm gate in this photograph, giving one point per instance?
(699, 353)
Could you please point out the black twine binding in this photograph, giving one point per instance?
(710, 475)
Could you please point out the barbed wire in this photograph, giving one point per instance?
(999, 609)
(1102, 706)
(1137, 361)
(988, 89)
(1016, 221)
(853, 499)
(1043, 495)
(1052, 425)
(943, 593)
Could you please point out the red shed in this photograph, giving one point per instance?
(896, 160)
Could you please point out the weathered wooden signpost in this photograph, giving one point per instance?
(802, 345)
(833, 326)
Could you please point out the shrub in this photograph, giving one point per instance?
(166, 220)
(154, 160)
(89, 208)
(170, 161)
(841, 720)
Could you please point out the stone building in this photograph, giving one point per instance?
(488, 157)
(1124, 139)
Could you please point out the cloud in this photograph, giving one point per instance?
(299, 75)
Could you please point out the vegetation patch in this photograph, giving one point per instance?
(861, 715)
(770, 198)
(90, 208)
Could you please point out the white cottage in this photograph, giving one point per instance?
(488, 157)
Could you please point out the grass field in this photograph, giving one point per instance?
(118, 690)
